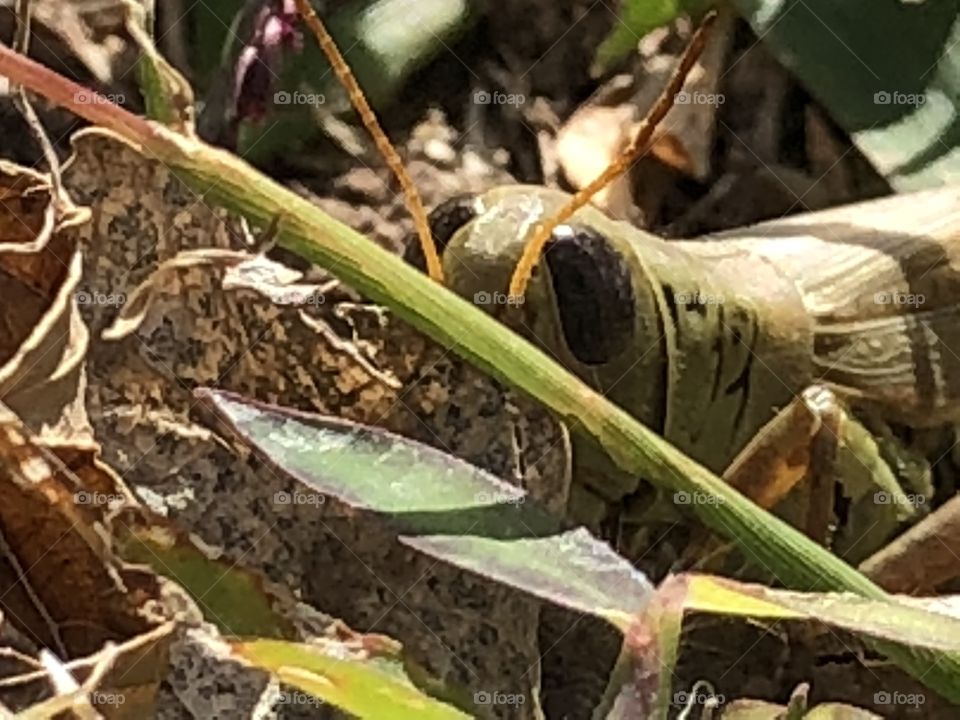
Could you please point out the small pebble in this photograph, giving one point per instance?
(439, 152)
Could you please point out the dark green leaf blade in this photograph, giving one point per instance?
(886, 72)
(440, 505)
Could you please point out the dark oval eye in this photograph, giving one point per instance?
(445, 219)
(594, 294)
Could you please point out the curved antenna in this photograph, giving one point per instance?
(640, 144)
(359, 101)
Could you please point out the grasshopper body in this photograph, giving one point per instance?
(704, 341)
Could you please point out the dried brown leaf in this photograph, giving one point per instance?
(61, 583)
(42, 339)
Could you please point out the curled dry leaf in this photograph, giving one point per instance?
(119, 681)
(28, 210)
(75, 31)
(166, 279)
(922, 558)
(798, 707)
(61, 585)
(588, 142)
(42, 339)
(235, 270)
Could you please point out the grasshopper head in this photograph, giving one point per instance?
(580, 304)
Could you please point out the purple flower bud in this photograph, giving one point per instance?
(260, 62)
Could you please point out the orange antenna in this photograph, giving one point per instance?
(360, 104)
(640, 144)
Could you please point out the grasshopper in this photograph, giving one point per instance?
(746, 349)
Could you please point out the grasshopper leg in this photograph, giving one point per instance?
(800, 442)
(821, 469)
(800, 438)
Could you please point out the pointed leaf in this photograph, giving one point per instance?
(231, 597)
(651, 644)
(890, 619)
(363, 685)
(440, 505)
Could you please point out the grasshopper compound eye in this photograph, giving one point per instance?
(594, 294)
(444, 220)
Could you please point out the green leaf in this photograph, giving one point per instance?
(231, 597)
(349, 677)
(651, 644)
(886, 70)
(440, 505)
(889, 619)
(636, 19)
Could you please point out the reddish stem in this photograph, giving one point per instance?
(74, 97)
